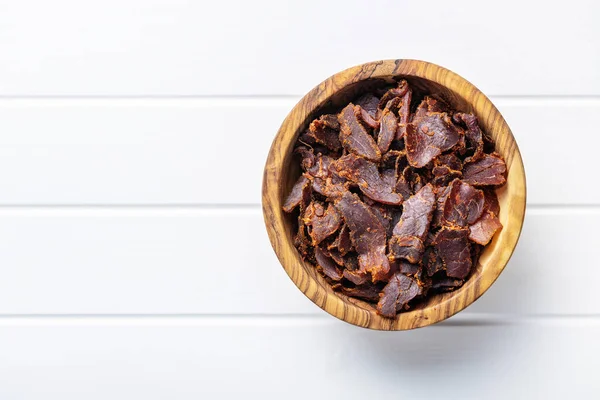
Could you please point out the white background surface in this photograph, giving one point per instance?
(133, 258)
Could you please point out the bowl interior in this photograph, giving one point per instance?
(494, 256)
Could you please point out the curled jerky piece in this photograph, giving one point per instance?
(327, 265)
(441, 195)
(417, 214)
(354, 136)
(367, 234)
(300, 193)
(409, 233)
(489, 170)
(342, 241)
(404, 114)
(369, 103)
(322, 222)
(484, 228)
(473, 135)
(453, 247)
(464, 204)
(356, 277)
(367, 119)
(432, 262)
(325, 130)
(396, 294)
(387, 133)
(367, 291)
(394, 92)
(429, 137)
(447, 167)
(446, 284)
(366, 175)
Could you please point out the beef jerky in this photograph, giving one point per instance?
(396, 294)
(367, 119)
(453, 247)
(335, 256)
(409, 233)
(325, 130)
(389, 126)
(429, 137)
(473, 135)
(300, 193)
(354, 137)
(351, 262)
(394, 92)
(367, 234)
(489, 170)
(369, 103)
(430, 105)
(367, 291)
(307, 155)
(416, 215)
(404, 115)
(446, 284)
(323, 222)
(301, 241)
(356, 277)
(342, 241)
(488, 224)
(366, 175)
(464, 204)
(408, 268)
(327, 266)
(432, 262)
(447, 167)
(441, 195)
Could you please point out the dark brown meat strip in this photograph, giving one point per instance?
(409, 233)
(354, 136)
(473, 135)
(417, 214)
(389, 125)
(484, 228)
(323, 223)
(446, 284)
(300, 192)
(368, 120)
(429, 137)
(447, 167)
(368, 291)
(441, 195)
(396, 294)
(356, 277)
(394, 92)
(430, 105)
(432, 262)
(369, 103)
(464, 204)
(326, 131)
(327, 265)
(366, 175)
(489, 170)
(454, 249)
(367, 234)
(404, 114)
(408, 268)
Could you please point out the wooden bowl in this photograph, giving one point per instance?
(280, 174)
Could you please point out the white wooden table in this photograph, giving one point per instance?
(133, 259)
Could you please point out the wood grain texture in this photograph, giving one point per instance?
(279, 176)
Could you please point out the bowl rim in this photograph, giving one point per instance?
(307, 280)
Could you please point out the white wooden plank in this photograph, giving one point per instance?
(166, 47)
(211, 261)
(172, 151)
(297, 359)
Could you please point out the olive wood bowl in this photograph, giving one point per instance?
(281, 172)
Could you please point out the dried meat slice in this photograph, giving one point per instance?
(446, 284)
(367, 234)
(404, 114)
(430, 105)
(367, 291)
(489, 170)
(387, 133)
(484, 229)
(394, 92)
(473, 135)
(428, 137)
(408, 268)
(323, 222)
(396, 294)
(327, 266)
(356, 277)
(453, 247)
(447, 167)
(367, 119)
(441, 195)
(369, 103)
(432, 261)
(325, 130)
(366, 175)
(464, 204)
(416, 215)
(354, 137)
(300, 193)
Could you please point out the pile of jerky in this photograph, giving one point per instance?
(396, 200)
